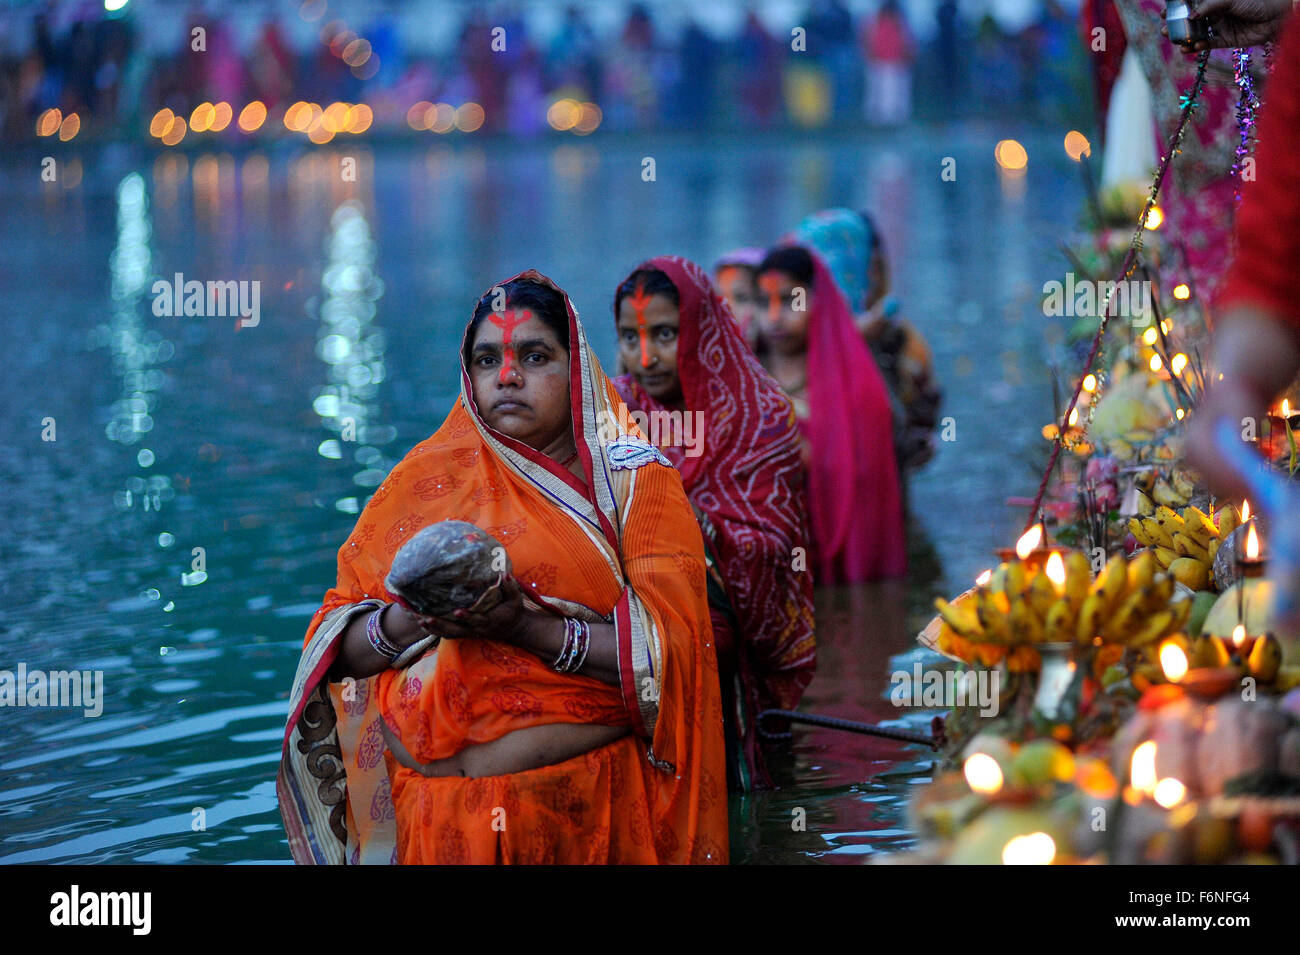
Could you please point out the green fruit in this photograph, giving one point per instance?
(1042, 761)
(1202, 603)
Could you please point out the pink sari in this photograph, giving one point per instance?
(855, 500)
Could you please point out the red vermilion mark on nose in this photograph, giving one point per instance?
(639, 302)
(508, 321)
(772, 286)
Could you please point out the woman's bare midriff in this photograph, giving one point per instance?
(516, 752)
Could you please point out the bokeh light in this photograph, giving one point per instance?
(1010, 155)
(469, 117)
(252, 116)
(1077, 145)
(48, 123)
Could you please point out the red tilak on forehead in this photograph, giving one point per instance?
(639, 301)
(771, 284)
(508, 321)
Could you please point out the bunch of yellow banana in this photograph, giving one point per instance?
(1185, 543)
(1128, 603)
(1175, 491)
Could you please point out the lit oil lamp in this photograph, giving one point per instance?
(1035, 848)
(983, 774)
(1031, 549)
(1251, 560)
(1242, 644)
(1142, 772)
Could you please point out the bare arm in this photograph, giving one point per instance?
(1258, 354)
(358, 659)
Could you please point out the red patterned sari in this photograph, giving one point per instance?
(623, 549)
(746, 481)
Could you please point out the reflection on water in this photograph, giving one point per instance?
(182, 528)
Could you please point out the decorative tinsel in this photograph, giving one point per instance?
(1247, 104)
(1187, 103)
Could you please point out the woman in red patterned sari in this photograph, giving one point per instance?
(479, 738)
(701, 396)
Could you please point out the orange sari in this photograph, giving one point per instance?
(625, 549)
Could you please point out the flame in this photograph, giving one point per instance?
(983, 774)
(1037, 848)
(1238, 635)
(1090, 383)
(1182, 292)
(1142, 769)
(1173, 661)
(1150, 335)
(984, 578)
(1178, 363)
(1156, 363)
(1155, 217)
(1252, 544)
(1286, 408)
(1179, 414)
(1169, 792)
(1029, 540)
(1055, 571)
(1245, 511)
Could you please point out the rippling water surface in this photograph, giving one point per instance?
(182, 527)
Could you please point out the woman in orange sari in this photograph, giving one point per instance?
(487, 737)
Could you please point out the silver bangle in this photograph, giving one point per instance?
(559, 666)
(586, 645)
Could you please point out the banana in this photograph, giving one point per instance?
(1190, 572)
(1146, 506)
(1184, 486)
(1165, 556)
(1138, 531)
(1014, 584)
(1141, 569)
(992, 617)
(1041, 595)
(1157, 533)
(1170, 520)
(1165, 493)
(1078, 578)
(1111, 582)
(1059, 626)
(1025, 627)
(1199, 525)
(1157, 598)
(1182, 609)
(1154, 627)
(1091, 620)
(1265, 659)
(1128, 617)
(1186, 545)
(1213, 549)
(1209, 651)
(960, 616)
(997, 582)
(1227, 520)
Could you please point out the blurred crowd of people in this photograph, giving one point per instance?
(645, 69)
